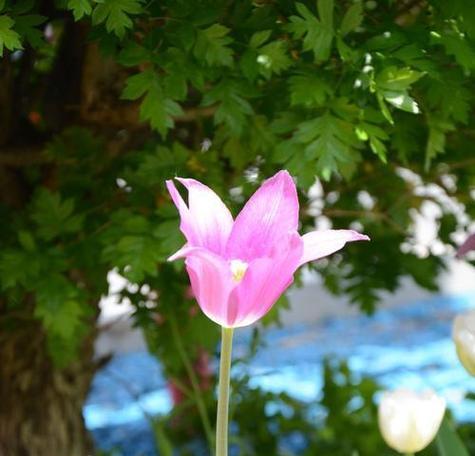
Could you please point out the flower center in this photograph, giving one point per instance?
(238, 269)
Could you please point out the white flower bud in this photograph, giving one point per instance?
(463, 335)
(409, 421)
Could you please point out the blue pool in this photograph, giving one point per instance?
(407, 346)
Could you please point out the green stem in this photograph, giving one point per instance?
(223, 392)
(193, 380)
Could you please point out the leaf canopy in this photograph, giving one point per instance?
(116, 96)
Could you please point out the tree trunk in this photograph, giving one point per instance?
(40, 405)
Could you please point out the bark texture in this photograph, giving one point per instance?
(40, 405)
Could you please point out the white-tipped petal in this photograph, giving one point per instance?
(319, 244)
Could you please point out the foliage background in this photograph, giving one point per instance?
(102, 100)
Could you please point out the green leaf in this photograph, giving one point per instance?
(285, 122)
(175, 86)
(347, 54)
(57, 306)
(455, 107)
(261, 137)
(18, 267)
(19, 7)
(375, 135)
(156, 107)
(402, 101)
(254, 62)
(27, 28)
(180, 69)
(273, 58)
(352, 18)
(392, 85)
(2, 5)
(26, 240)
(133, 54)
(317, 34)
(233, 109)
(159, 110)
(211, 46)
(458, 46)
(138, 84)
(308, 90)
(259, 38)
(159, 165)
(80, 8)
(133, 245)
(436, 140)
(325, 10)
(54, 216)
(448, 441)
(328, 141)
(303, 25)
(170, 236)
(397, 79)
(8, 37)
(61, 313)
(384, 108)
(138, 255)
(116, 14)
(467, 19)
(249, 65)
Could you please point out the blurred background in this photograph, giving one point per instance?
(320, 346)
(368, 104)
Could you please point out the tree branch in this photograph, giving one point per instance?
(22, 156)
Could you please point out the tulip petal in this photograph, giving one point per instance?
(180, 253)
(206, 221)
(270, 214)
(409, 420)
(319, 244)
(463, 335)
(467, 246)
(211, 281)
(264, 282)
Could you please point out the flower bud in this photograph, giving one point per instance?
(463, 335)
(409, 421)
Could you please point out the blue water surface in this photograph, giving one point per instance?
(408, 346)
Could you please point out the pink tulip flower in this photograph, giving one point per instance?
(239, 268)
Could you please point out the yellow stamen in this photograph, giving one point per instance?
(238, 269)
